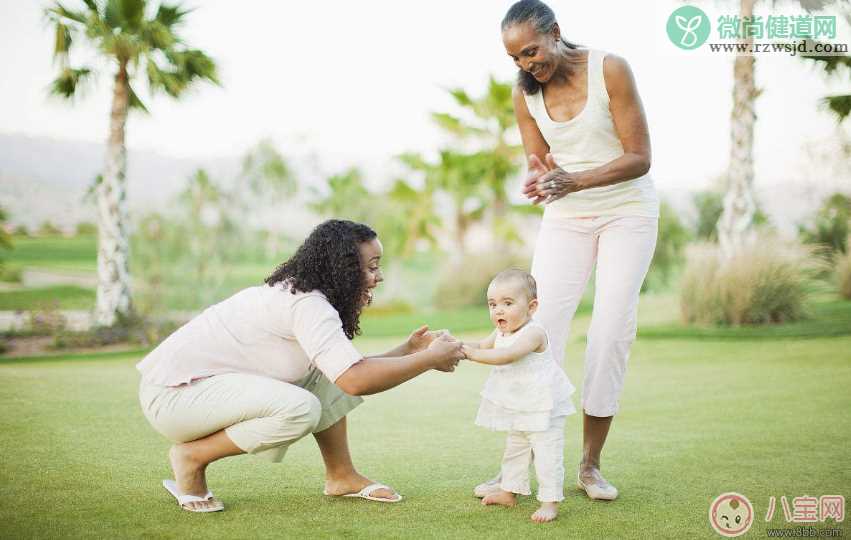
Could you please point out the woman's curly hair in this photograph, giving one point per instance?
(329, 261)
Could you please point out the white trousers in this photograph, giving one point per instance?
(565, 254)
(543, 448)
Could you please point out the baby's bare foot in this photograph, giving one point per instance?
(547, 512)
(502, 498)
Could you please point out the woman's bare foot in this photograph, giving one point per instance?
(547, 512)
(502, 498)
(354, 482)
(189, 475)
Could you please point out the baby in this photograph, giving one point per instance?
(527, 394)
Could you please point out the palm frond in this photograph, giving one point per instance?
(170, 15)
(461, 97)
(59, 12)
(191, 64)
(840, 105)
(93, 7)
(831, 63)
(134, 101)
(68, 81)
(62, 42)
(124, 14)
(169, 81)
(158, 36)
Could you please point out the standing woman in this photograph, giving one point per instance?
(584, 130)
(274, 363)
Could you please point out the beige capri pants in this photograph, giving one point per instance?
(261, 415)
(567, 251)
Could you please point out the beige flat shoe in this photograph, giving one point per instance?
(488, 487)
(608, 493)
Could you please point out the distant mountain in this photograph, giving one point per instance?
(47, 179)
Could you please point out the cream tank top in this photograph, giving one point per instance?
(588, 141)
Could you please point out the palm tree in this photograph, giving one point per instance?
(839, 104)
(474, 171)
(136, 40)
(737, 218)
(739, 205)
(494, 118)
(347, 197)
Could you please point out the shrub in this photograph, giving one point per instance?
(768, 282)
(11, 274)
(86, 228)
(668, 257)
(465, 282)
(128, 330)
(47, 319)
(830, 225)
(709, 205)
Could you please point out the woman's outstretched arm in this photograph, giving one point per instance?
(373, 375)
(416, 342)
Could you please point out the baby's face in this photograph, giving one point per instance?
(509, 305)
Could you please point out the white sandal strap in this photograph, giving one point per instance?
(186, 499)
(367, 491)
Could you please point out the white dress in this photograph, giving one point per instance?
(525, 394)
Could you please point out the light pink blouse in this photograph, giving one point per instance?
(261, 330)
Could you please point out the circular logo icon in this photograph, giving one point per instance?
(731, 514)
(688, 27)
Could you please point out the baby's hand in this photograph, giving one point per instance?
(468, 351)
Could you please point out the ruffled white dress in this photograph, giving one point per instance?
(527, 393)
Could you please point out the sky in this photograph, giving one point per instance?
(354, 82)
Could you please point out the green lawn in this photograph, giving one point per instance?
(78, 253)
(53, 297)
(699, 417)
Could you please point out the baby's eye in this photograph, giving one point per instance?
(532, 52)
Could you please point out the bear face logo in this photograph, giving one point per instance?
(731, 514)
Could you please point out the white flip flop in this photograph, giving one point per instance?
(184, 500)
(365, 494)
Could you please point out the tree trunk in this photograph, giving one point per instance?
(113, 294)
(734, 226)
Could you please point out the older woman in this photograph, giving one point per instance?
(584, 130)
(273, 363)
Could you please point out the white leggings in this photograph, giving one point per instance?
(543, 448)
(565, 254)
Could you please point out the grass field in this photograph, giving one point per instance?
(700, 416)
(77, 254)
(53, 297)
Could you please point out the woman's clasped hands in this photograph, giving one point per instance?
(547, 182)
